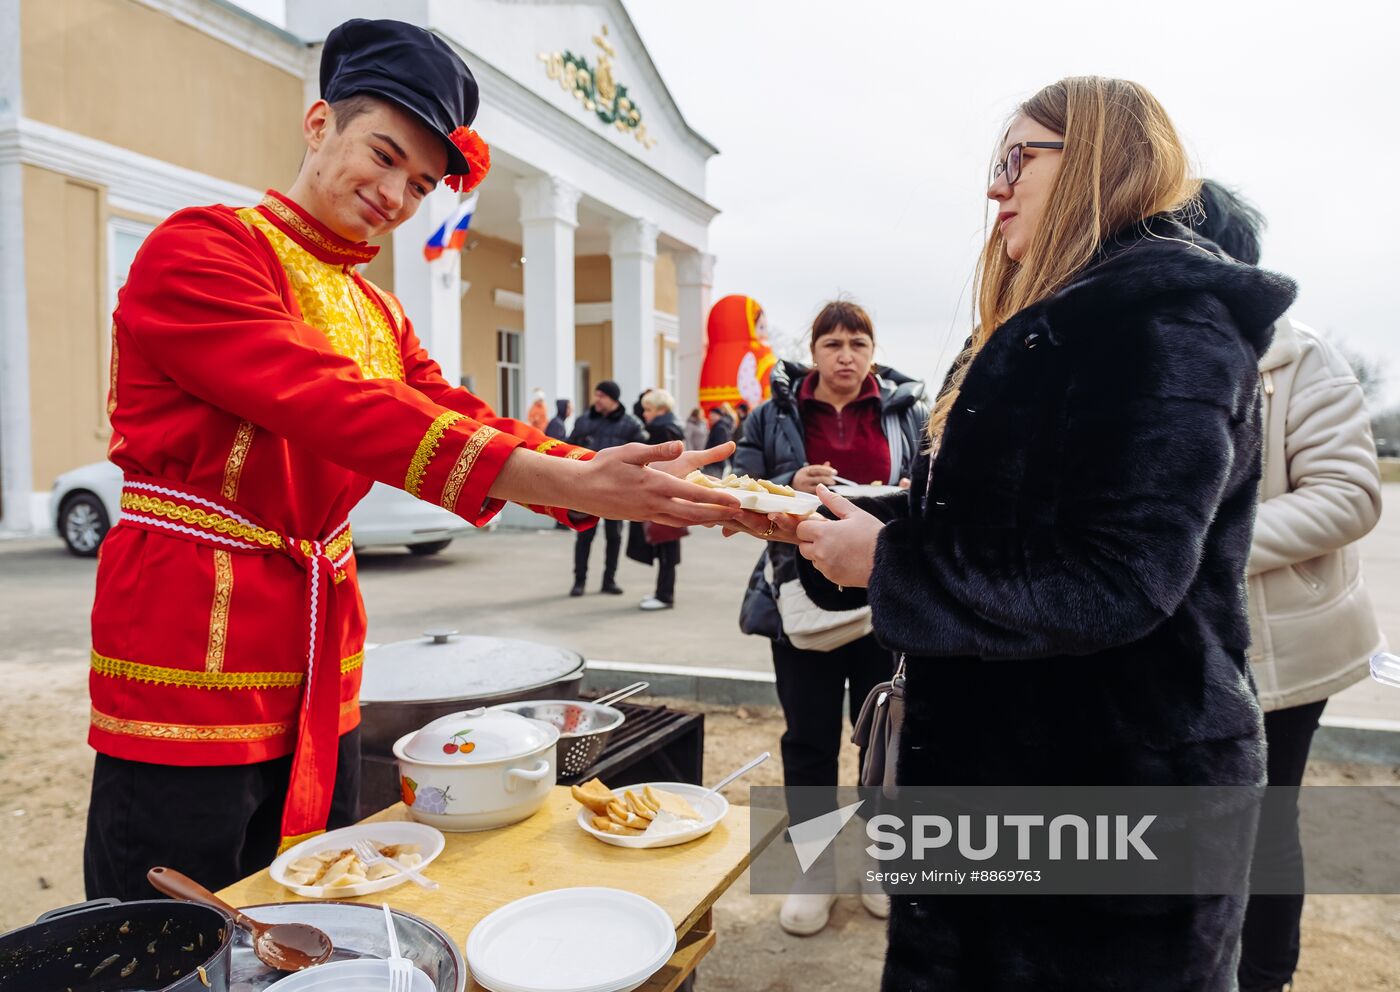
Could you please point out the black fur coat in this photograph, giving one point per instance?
(1068, 585)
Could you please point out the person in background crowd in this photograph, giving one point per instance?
(661, 545)
(538, 414)
(696, 430)
(1074, 548)
(603, 425)
(741, 414)
(1312, 626)
(721, 420)
(638, 409)
(834, 416)
(557, 428)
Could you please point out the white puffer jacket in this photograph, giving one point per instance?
(1312, 625)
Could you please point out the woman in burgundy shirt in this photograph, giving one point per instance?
(834, 418)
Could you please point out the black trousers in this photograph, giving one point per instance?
(216, 823)
(1269, 942)
(811, 685)
(612, 535)
(668, 555)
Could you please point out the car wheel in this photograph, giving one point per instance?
(431, 548)
(83, 524)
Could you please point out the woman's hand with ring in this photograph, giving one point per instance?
(765, 526)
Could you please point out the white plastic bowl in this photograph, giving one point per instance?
(347, 976)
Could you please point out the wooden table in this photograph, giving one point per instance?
(480, 872)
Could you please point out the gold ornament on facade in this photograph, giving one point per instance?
(597, 88)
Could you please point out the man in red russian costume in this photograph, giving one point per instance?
(259, 384)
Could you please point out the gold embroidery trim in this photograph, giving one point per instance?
(334, 302)
(200, 518)
(427, 448)
(549, 445)
(218, 613)
(237, 455)
(578, 453)
(452, 488)
(223, 561)
(112, 391)
(187, 732)
(293, 220)
(190, 679)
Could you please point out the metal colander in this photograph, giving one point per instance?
(584, 727)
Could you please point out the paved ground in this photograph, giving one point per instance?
(516, 583)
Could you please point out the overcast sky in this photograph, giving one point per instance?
(855, 139)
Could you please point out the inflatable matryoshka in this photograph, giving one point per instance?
(738, 358)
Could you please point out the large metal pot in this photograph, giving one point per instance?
(111, 946)
(409, 684)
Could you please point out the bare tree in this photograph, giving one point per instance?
(1385, 427)
(1370, 371)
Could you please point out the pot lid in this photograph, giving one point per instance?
(476, 736)
(442, 666)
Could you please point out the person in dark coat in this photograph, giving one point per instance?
(564, 409)
(661, 426)
(606, 424)
(721, 431)
(836, 416)
(1066, 578)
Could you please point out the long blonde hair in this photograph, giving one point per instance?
(1122, 163)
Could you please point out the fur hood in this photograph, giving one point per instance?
(1160, 260)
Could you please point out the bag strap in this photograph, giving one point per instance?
(899, 669)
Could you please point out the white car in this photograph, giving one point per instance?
(87, 501)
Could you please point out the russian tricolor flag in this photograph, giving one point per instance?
(452, 235)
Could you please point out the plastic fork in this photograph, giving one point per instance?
(367, 853)
(400, 968)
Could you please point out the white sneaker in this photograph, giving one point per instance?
(806, 913)
(877, 904)
(652, 603)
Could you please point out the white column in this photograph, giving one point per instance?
(548, 216)
(430, 291)
(20, 512)
(633, 255)
(695, 277)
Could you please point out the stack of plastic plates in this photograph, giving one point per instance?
(571, 940)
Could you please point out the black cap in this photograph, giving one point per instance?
(407, 65)
(609, 389)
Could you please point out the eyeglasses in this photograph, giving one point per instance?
(1010, 166)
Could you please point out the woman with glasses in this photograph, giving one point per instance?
(1066, 577)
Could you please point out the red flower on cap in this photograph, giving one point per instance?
(478, 156)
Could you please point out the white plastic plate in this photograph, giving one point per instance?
(801, 504)
(856, 492)
(713, 808)
(571, 940)
(387, 832)
(348, 976)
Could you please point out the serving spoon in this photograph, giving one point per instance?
(284, 946)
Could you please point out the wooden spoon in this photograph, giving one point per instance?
(284, 946)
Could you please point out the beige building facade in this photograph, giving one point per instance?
(586, 258)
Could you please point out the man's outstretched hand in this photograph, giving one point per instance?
(646, 482)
